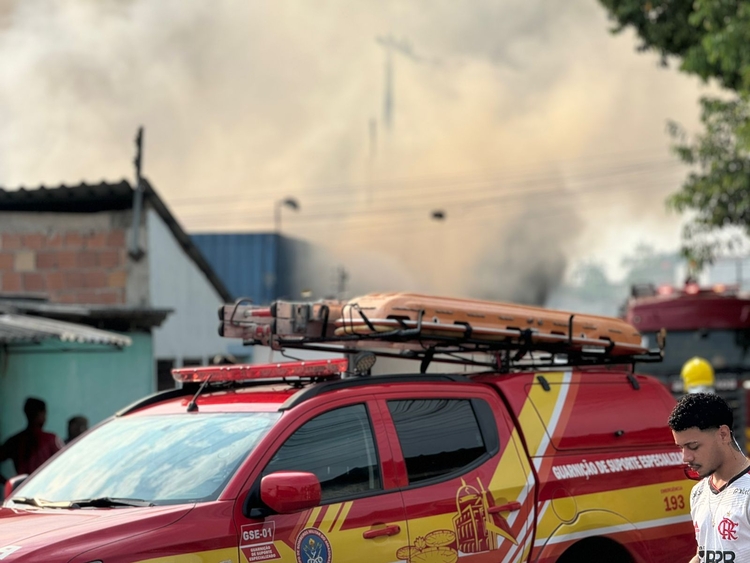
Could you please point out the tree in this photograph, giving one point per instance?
(647, 265)
(710, 38)
(592, 280)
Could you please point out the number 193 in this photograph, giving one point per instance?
(674, 502)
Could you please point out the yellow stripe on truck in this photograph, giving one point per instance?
(643, 507)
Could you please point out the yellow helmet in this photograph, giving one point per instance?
(697, 372)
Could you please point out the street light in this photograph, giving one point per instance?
(438, 215)
(292, 204)
(289, 202)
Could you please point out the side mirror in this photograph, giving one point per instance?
(290, 491)
(12, 484)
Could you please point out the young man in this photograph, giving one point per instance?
(720, 503)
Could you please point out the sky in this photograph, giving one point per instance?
(539, 135)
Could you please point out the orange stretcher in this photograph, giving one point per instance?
(484, 321)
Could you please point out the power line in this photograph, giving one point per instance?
(450, 185)
(411, 204)
(390, 225)
(348, 224)
(413, 182)
(552, 204)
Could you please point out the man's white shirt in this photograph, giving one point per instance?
(722, 520)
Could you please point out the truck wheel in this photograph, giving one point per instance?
(596, 549)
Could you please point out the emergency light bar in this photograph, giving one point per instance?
(308, 369)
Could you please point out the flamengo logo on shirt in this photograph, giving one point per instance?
(727, 529)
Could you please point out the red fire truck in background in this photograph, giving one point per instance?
(712, 323)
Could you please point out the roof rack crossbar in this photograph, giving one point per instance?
(553, 360)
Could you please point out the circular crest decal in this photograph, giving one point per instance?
(312, 547)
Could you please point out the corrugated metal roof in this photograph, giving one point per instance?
(83, 198)
(103, 316)
(16, 329)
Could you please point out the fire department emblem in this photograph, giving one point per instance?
(312, 547)
(476, 529)
(727, 529)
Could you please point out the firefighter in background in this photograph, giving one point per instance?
(698, 376)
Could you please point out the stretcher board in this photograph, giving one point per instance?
(484, 321)
(422, 324)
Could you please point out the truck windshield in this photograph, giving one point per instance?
(162, 459)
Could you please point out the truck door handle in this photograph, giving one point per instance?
(377, 532)
(507, 507)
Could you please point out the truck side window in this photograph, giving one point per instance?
(437, 436)
(338, 448)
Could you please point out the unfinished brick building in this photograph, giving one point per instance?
(75, 244)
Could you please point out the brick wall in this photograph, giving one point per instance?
(70, 266)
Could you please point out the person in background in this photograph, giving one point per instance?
(77, 425)
(31, 447)
(698, 376)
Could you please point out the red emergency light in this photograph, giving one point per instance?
(692, 289)
(244, 372)
(665, 290)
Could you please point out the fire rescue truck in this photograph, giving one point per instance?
(708, 322)
(539, 443)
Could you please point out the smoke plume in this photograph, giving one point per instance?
(523, 121)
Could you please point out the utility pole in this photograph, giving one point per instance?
(342, 276)
(388, 43)
(371, 159)
(135, 251)
(388, 94)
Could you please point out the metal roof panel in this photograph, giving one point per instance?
(23, 328)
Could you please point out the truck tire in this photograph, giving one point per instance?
(596, 549)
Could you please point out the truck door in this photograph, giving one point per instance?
(469, 492)
(361, 515)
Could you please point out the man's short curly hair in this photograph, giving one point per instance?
(702, 411)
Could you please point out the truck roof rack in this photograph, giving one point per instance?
(429, 328)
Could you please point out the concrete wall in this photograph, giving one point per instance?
(177, 283)
(91, 380)
(71, 257)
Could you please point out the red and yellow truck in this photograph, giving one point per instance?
(541, 445)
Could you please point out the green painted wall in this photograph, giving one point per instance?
(86, 379)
